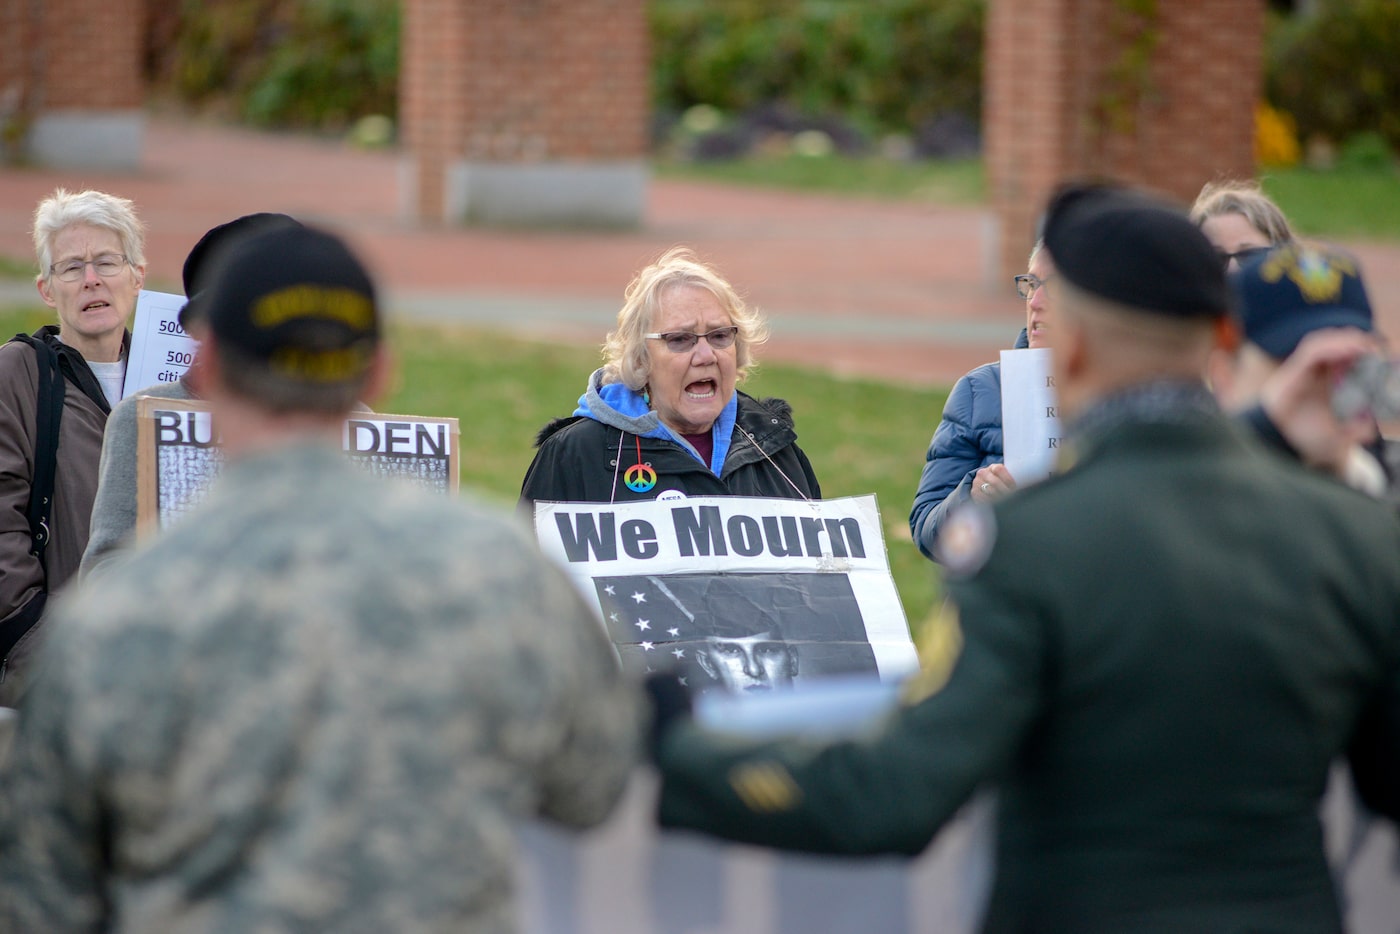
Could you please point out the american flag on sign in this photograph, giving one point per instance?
(673, 622)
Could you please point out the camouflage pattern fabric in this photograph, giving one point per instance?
(316, 705)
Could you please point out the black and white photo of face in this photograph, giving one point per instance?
(736, 633)
(749, 663)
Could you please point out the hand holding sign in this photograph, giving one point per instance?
(992, 481)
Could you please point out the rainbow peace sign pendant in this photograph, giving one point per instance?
(640, 478)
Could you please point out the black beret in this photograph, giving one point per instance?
(203, 257)
(1127, 247)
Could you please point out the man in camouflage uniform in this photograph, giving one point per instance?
(318, 703)
(1162, 649)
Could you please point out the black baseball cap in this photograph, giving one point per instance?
(298, 300)
(1130, 248)
(202, 261)
(1296, 289)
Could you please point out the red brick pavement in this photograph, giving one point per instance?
(858, 286)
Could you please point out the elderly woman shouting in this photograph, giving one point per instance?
(663, 414)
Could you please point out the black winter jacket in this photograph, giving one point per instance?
(578, 461)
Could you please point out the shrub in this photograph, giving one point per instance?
(1275, 138)
(1366, 152)
(881, 64)
(853, 69)
(307, 63)
(1335, 69)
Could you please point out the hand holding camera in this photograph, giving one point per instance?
(1325, 400)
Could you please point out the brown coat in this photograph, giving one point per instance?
(75, 486)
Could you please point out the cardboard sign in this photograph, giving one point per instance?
(1030, 419)
(161, 352)
(178, 454)
(740, 594)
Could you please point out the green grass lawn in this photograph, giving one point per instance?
(11, 268)
(862, 437)
(954, 181)
(1338, 203)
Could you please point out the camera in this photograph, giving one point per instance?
(1370, 387)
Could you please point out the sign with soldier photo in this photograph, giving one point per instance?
(738, 594)
(178, 454)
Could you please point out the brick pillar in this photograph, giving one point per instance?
(17, 74)
(84, 99)
(525, 111)
(1081, 88)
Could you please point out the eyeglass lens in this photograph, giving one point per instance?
(1243, 256)
(1027, 284)
(681, 341)
(106, 266)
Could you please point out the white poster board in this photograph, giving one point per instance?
(736, 593)
(161, 352)
(178, 454)
(1030, 422)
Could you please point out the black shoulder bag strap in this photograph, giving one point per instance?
(48, 416)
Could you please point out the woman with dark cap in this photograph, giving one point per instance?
(114, 510)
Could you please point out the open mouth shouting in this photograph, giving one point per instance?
(702, 390)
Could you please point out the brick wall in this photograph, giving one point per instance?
(521, 82)
(92, 55)
(16, 59)
(1063, 101)
(71, 82)
(432, 92)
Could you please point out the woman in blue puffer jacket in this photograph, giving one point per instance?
(964, 458)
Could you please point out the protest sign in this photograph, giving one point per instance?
(737, 593)
(1030, 421)
(160, 349)
(178, 454)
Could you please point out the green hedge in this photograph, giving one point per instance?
(303, 63)
(1337, 71)
(883, 64)
(879, 65)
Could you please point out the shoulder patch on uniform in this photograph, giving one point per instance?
(940, 645)
(765, 787)
(965, 541)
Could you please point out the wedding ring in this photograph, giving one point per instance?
(986, 487)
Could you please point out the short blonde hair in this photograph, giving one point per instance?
(1247, 200)
(626, 356)
(63, 209)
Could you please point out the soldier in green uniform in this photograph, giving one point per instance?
(1161, 649)
(320, 702)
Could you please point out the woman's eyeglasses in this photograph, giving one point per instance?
(71, 270)
(1026, 284)
(1242, 256)
(682, 341)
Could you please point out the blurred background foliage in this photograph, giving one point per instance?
(1337, 72)
(730, 78)
(306, 64)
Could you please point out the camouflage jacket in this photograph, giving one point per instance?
(316, 704)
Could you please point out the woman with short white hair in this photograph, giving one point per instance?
(56, 390)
